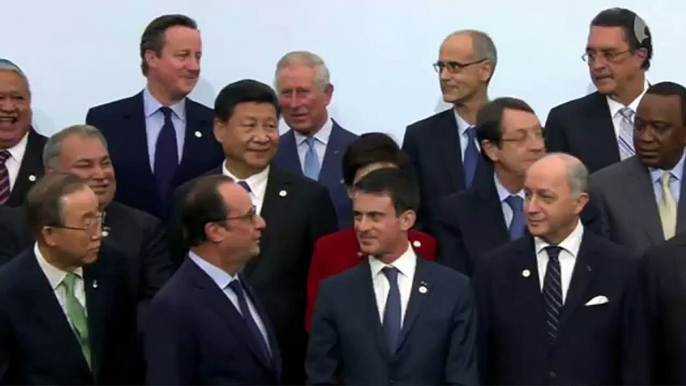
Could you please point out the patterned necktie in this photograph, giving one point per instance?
(626, 134)
(77, 315)
(667, 207)
(552, 292)
(471, 156)
(245, 186)
(166, 154)
(392, 313)
(311, 168)
(518, 223)
(237, 289)
(4, 177)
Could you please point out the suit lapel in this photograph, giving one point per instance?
(193, 143)
(96, 302)
(681, 206)
(584, 271)
(491, 210)
(288, 158)
(31, 168)
(448, 141)
(370, 308)
(273, 344)
(213, 296)
(642, 201)
(135, 138)
(330, 172)
(527, 283)
(604, 141)
(422, 279)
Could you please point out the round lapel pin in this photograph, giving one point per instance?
(416, 243)
(198, 134)
(423, 289)
(95, 284)
(32, 178)
(526, 273)
(283, 193)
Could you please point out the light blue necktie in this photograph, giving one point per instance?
(626, 134)
(518, 223)
(471, 156)
(311, 169)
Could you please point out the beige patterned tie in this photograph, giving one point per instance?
(667, 207)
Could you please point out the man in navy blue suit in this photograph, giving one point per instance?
(206, 326)
(443, 147)
(562, 306)
(315, 143)
(396, 318)
(158, 139)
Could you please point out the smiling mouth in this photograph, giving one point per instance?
(8, 121)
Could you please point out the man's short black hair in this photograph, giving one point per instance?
(634, 28)
(671, 89)
(371, 148)
(244, 91)
(203, 204)
(398, 184)
(489, 119)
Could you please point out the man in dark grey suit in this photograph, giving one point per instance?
(395, 318)
(640, 196)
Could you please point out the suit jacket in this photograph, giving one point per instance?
(471, 223)
(340, 251)
(604, 344)
(433, 146)
(298, 211)
(625, 195)
(665, 271)
(122, 123)
(583, 128)
(331, 174)
(436, 344)
(30, 170)
(137, 235)
(37, 343)
(195, 336)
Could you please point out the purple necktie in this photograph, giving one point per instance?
(166, 154)
(4, 177)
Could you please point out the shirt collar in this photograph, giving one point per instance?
(503, 193)
(55, 275)
(677, 171)
(219, 276)
(256, 182)
(615, 106)
(322, 135)
(17, 151)
(151, 105)
(571, 244)
(405, 264)
(462, 125)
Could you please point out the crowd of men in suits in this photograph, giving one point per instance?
(165, 242)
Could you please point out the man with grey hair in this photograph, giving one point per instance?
(20, 145)
(81, 150)
(443, 147)
(159, 138)
(315, 143)
(580, 309)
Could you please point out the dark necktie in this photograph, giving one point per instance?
(166, 154)
(552, 292)
(4, 177)
(518, 223)
(471, 156)
(237, 288)
(392, 314)
(245, 186)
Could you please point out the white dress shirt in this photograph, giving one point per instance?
(615, 107)
(154, 121)
(13, 163)
(406, 265)
(503, 194)
(321, 139)
(256, 182)
(55, 277)
(570, 250)
(462, 127)
(223, 279)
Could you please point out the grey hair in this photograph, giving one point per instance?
(53, 147)
(8, 65)
(577, 173)
(306, 58)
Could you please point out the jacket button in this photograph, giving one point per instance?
(552, 374)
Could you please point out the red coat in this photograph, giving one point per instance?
(337, 252)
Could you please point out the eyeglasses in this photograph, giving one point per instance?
(90, 225)
(606, 55)
(523, 136)
(454, 67)
(250, 216)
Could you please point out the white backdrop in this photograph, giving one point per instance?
(78, 54)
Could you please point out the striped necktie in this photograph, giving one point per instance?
(626, 134)
(552, 292)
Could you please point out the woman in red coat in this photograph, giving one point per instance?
(340, 251)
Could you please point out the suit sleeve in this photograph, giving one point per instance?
(314, 277)
(129, 360)
(461, 361)
(323, 356)
(451, 249)
(92, 119)
(596, 194)
(555, 140)
(635, 329)
(411, 149)
(592, 218)
(482, 284)
(168, 345)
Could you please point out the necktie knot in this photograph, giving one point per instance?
(245, 186)
(235, 285)
(515, 202)
(310, 142)
(553, 252)
(391, 274)
(69, 282)
(665, 180)
(166, 111)
(4, 156)
(627, 113)
(471, 133)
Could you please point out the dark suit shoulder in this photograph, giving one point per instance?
(347, 135)
(429, 122)
(115, 107)
(304, 184)
(579, 105)
(142, 219)
(13, 274)
(199, 108)
(446, 276)
(616, 169)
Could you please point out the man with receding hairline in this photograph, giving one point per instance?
(561, 306)
(443, 147)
